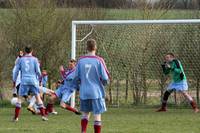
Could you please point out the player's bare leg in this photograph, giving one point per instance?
(41, 107)
(97, 123)
(17, 110)
(163, 107)
(68, 107)
(84, 121)
(191, 100)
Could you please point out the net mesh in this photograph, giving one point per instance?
(134, 53)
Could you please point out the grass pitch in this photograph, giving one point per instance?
(128, 120)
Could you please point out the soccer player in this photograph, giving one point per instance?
(65, 90)
(44, 78)
(30, 71)
(92, 74)
(179, 82)
(16, 89)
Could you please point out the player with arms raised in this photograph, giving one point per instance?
(29, 68)
(179, 83)
(92, 74)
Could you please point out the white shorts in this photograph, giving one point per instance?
(178, 86)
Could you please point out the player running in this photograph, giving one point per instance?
(30, 71)
(179, 82)
(65, 90)
(93, 75)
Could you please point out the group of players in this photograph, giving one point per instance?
(89, 76)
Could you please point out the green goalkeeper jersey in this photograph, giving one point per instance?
(176, 71)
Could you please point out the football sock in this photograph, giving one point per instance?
(97, 127)
(193, 104)
(164, 105)
(17, 110)
(35, 107)
(192, 101)
(166, 95)
(70, 108)
(32, 101)
(165, 98)
(84, 123)
(49, 108)
(42, 110)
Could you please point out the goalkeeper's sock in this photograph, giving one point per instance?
(97, 127)
(165, 98)
(194, 104)
(17, 110)
(84, 123)
(164, 105)
(71, 109)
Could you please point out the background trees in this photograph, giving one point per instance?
(46, 25)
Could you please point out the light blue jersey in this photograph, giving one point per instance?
(65, 91)
(18, 80)
(30, 70)
(19, 74)
(69, 76)
(92, 73)
(44, 80)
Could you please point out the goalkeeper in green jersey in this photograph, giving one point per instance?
(173, 66)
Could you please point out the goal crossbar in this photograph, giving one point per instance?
(117, 22)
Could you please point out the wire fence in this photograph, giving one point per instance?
(134, 53)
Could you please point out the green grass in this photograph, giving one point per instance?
(128, 120)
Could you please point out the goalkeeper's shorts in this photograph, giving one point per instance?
(178, 86)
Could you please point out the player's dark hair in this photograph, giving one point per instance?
(91, 45)
(28, 49)
(171, 54)
(73, 61)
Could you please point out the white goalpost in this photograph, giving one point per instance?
(75, 24)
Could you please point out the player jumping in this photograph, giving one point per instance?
(179, 82)
(65, 90)
(30, 71)
(93, 75)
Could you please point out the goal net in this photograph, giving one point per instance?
(133, 51)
